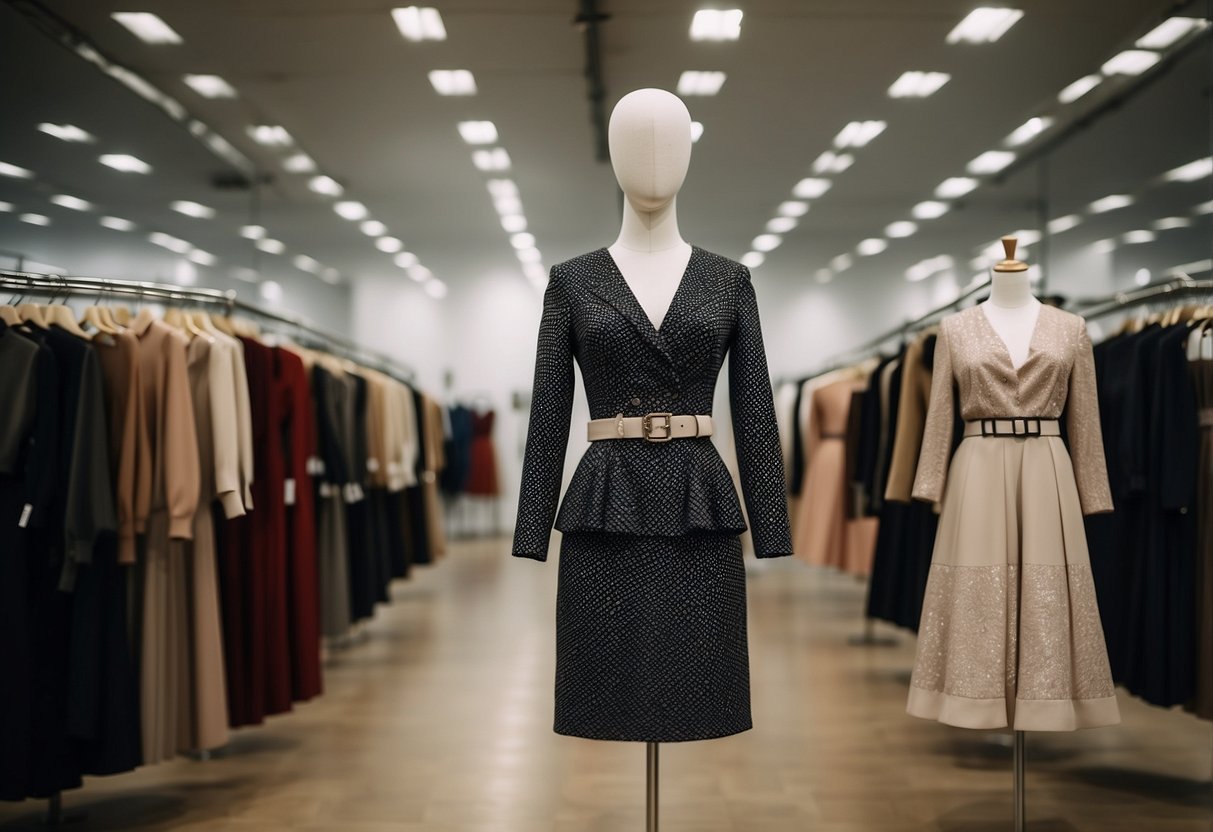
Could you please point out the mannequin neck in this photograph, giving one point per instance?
(1010, 290)
(650, 231)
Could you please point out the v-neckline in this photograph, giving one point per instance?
(1006, 351)
(682, 281)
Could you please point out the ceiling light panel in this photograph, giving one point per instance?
(766, 242)
(435, 288)
(1111, 202)
(202, 258)
(513, 223)
(696, 131)
(753, 259)
(147, 27)
(73, 203)
(1169, 223)
(871, 246)
(781, 225)
(793, 208)
(389, 245)
(841, 263)
(716, 24)
(373, 228)
(306, 264)
(831, 162)
(35, 219)
(1191, 171)
(902, 228)
(453, 81)
(271, 246)
(350, 210)
(1170, 32)
(859, 133)
(992, 161)
(126, 163)
(1060, 225)
(522, 240)
(698, 82)
(299, 163)
(929, 210)
(529, 255)
(491, 160)
(252, 232)
(915, 84)
(1078, 89)
(954, 187)
(209, 86)
(270, 135)
(1130, 62)
(811, 187)
(6, 207)
(116, 224)
(419, 273)
(984, 25)
(67, 132)
(478, 132)
(1140, 236)
(173, 244)
(418, 23)
(925, 268)
(14, 171)
(325, 185)
(405, 259)
(193, 209)
(1029, 130)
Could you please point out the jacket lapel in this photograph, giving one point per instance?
(611, 287)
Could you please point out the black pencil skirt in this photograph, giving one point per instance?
(651, 637)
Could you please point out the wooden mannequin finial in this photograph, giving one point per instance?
(1010, 264)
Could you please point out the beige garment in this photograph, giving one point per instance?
(230, 417)
(243, 442)
(1010, 634)
(130, 463)
(435, 461)
(911, 415)
(785, 417)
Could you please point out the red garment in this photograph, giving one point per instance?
(482, 476)
(301, 556)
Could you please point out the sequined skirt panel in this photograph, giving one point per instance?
(1010, 634)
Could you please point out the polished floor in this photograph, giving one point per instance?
(439, 719)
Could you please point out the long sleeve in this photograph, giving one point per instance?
(1082, 429)
(408, 447)
(225, 430)
(908, 435)
(180, 444)
(937, 433)
(127, 454)
(1175, 451)
(548, 428)
(244, 423)
(90, 487)
(759, 458)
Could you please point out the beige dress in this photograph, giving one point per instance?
(1010, 633)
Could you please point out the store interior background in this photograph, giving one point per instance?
(355, 97)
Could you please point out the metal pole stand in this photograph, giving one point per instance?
(1018, 764)
(54, 810)
(650, 808)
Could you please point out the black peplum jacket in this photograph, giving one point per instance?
(632, 486)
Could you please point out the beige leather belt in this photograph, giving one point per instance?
(652, 427)
(1016, 426)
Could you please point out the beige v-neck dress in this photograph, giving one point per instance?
(1010, 633)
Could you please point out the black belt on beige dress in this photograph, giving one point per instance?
(1014, 426)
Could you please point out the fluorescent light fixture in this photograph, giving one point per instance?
(507, 205)
(418, 23)
(271, 246)
(766, 242)
(270, 291)
(753, 259)
(35, 219)
(173, 244)
(841, 263)
(901, 228)
(535, 272)
(915, 84)
(326, 185)
(202, 258)
(209, 86)
(697, 82)
(992, 161)
(1029, 130)
(1141, 235)
(478, 132)
(1111, 202)
(925, 268)
(125, 162)
(872, 245)
(929, 210)
(117, 224)
(859, 133)
(529, 255)
(147, 27)
(1104, 246)
(389, 245)
(66, 132)
(453, 81)
(299, 163)
(793, 208)
(270, 135)
(1141, 277)
(1203, 208)
(306, 264)
(502, 187)
(1060, 225)
(823, 275)
(1024, 237)
(716, 24)
(811, 188)
(373, 228)
(405, 259)
(984, 25)
(513, 223)
(330, 275)
(1130, 62)
(1191, 171)
(1169, 223)
(75, 203)
(435, 288)
(495, 159)
(954, 187)
(1078, 89)
(6, 207)
(522, 240)
(15, 172)
(831, 162)
(350, 210)
(781, 225)
(193, 209)
(252, 232)
(419, 273)
(696, 131)
(1170, 31)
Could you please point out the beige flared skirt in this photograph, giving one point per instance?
(1010, 633)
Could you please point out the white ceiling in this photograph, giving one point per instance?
(355, 95)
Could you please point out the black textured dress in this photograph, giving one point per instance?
(650, 611)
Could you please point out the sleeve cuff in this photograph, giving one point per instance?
(233, 506)
(539, 556)
(248, 497)
(181, 528)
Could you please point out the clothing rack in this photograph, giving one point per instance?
(1170, 290)
(54, 285)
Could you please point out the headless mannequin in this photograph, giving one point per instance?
(1012, 309)
(650, 141)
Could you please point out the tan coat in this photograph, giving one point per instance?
(911, 416)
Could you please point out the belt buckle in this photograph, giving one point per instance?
(1031, 426)
(988, 428)
(647, 426)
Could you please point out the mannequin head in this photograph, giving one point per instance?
(650, 141)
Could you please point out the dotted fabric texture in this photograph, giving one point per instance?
(632, 486)
(651, 638)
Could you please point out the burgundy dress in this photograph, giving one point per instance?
(482, 478)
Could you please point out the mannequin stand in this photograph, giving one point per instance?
(650, 807)
(1018, 765)
(54, 810)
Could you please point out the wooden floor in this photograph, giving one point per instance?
(440, 719)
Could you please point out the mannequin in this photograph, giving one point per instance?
(650, 141)
(1012, 309)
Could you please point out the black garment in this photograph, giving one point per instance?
(457, 451)
(419, 535)
(796, 472)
